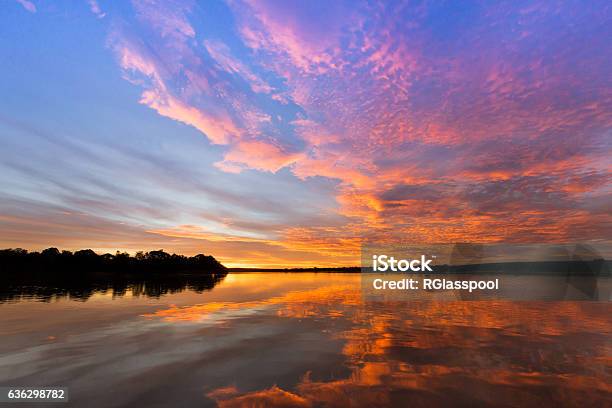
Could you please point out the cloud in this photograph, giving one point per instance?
(95, 8)
(289, 29)
(218, 127)
(256, 154)
(169, 18)
(28, 5)
(221, 54)
(220, 109)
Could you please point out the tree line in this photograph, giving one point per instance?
(52, 260)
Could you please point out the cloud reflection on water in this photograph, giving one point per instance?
(430, 353)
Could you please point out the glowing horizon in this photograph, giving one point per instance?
(282, 134)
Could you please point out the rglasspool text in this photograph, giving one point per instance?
(435, 284)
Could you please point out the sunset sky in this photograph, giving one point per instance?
(284, 133)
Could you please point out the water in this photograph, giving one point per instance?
(303, 339)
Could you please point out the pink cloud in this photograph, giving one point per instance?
(218, 127)
(95, 8)
(221, 54)
(314, 133)
(169, 19)
(256, 154)
(28, 5)
(282, 28)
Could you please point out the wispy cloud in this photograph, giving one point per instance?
(95, 8)
(28, 5)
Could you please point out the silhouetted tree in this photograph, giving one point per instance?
(51, 260)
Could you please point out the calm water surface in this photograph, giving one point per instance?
(274, 339)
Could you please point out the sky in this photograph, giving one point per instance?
(288, 133)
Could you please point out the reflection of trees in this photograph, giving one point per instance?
(150, 285)
(51, 273)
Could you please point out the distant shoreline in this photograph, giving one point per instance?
(348, 269)
(595, 267)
